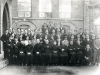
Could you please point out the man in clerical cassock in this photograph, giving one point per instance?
(53, 33)
(66, 42)
(72, 53)
(51, 40)
(25, 35)
(63, 54)
(62, 34)
(88, 55)
(21, 53)
(4, 39)
(39, 35)
(15, 51)
(92, 47)
(88, 41)
(44, 28)
(50, 28)
(79, 52)
(37, 52)
(55, 50)
(29, 54)
(9, 49)
(83, 43)
(46, 53)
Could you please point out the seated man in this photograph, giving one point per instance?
(15, 51)
(63, 55)
(46, 53)
(88, 55)
(21, 53)
(54, 53)
(9, 49)
(72, 53)
(37, 52)
(29, 53)
(79, 52)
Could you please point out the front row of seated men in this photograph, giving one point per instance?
(23, 53)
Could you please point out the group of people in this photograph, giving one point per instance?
(50, 45)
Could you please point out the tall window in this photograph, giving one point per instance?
(24, 8)
(64, 8)
(45, 8)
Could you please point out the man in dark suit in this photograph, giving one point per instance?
(4, 39)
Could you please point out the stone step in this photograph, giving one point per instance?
(3, 64)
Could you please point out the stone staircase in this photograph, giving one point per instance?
(3, 62)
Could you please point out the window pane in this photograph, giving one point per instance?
(45, 6)
(20, 14)
(24, 8)
(27, 14)
(64, 15)
(65, 8)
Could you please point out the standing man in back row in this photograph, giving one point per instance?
(4, 39)
(97, 50)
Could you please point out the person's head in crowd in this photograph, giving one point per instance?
(71, 42)
(46, 41)
(55, 25)
(87, 36)
(87, 46)
(61, 25)
(62, 43)
(78, 35)
(26, 32)
(68, 30)
(6, 31)
(46, 37)
(40, 30)
(59, 40)
(35, 31)
(18, 30)
(52, 38)
(50, 24)
(93, 36)
(45, 25)
(29, 42)
(32, 32)
(58, 30)
(41, 38)
(58, 36)
(75, 32)
(34, 37)
(27, 38)
(62, 31)
(16, 39)
(72, 36)
(65, 38)
(13, 30)
(83, 36)
(78, 42)
(54, 42)
(21, 32)
(10, 30)
(80, 30)
(29, 31)
(53, 30)
(46, 31)
(38, 41)
(10, 38)
(91, 31)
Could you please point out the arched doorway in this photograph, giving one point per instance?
(6, 18)
(5, 21)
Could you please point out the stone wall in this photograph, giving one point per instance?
(76, 15)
